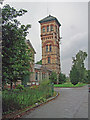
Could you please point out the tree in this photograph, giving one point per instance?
(53, 77)
(16, 55)
(88, 76)
(62, 78)
(74, 74)
(78, 67)
(79, 63)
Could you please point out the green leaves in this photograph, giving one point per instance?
(77, 73)
(16, 58)
(62, 78)
(53, 77)
(9, 13)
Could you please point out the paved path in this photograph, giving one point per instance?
(71, 103)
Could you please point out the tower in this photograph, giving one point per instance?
(50, 36)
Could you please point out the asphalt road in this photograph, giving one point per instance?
(71, 103)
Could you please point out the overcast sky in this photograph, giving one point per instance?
(74, 27)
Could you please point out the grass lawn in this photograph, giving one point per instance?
(69, 85)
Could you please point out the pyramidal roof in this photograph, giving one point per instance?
(49, 18)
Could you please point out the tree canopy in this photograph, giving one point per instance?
(53, 77)
(16, 55)
(77, 73)
(62, 78)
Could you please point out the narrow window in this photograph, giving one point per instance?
(56, 28)
(48, 59)
(43, 76)
(47, 28)
(51, 27)
(50, 48)
(36, 76)
(43, 29)
(46, 48)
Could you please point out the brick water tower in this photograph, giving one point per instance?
(50, 36)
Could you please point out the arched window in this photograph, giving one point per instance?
(47, 28)
(51, 28)
(56, 28)
(36, 76)
(43, 29)
(48, 59)
(46, 48)
(50, 48)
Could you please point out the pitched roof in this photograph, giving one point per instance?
(28, 41)
(38, 66)
(49, 18)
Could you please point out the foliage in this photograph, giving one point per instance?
(77, 73)
(15, 100)
(39, 62)
(67, 79)
(53, 77)
(16, 55)
(88, 76)
(66, 85)
(62, 78)
(74, 74)
(21, 87)
(46, 84)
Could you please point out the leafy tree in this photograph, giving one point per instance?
(78, 67)
(62, 78)
(79, 63)
(16, 55)
(74, 74)
(39, 62)
(53, 77)
(87, 77)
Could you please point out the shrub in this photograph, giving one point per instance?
(16, 99)
(62, 78)
(74, 75)
(21, 87)
(53, 77)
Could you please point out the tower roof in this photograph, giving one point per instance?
(49, 18)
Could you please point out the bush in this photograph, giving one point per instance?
(74, 75)
(20, 87)
(62, 78)
(53, 77)
(16, 99)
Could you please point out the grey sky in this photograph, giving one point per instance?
(74, 27)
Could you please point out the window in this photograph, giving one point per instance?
(56, 28)
(48, 59)
(51, 27)
(50, 48)
(36, 76)
(43, 75)
(47, 28)
(43, 29)
(46, 48)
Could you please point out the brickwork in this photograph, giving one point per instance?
(50, 58)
